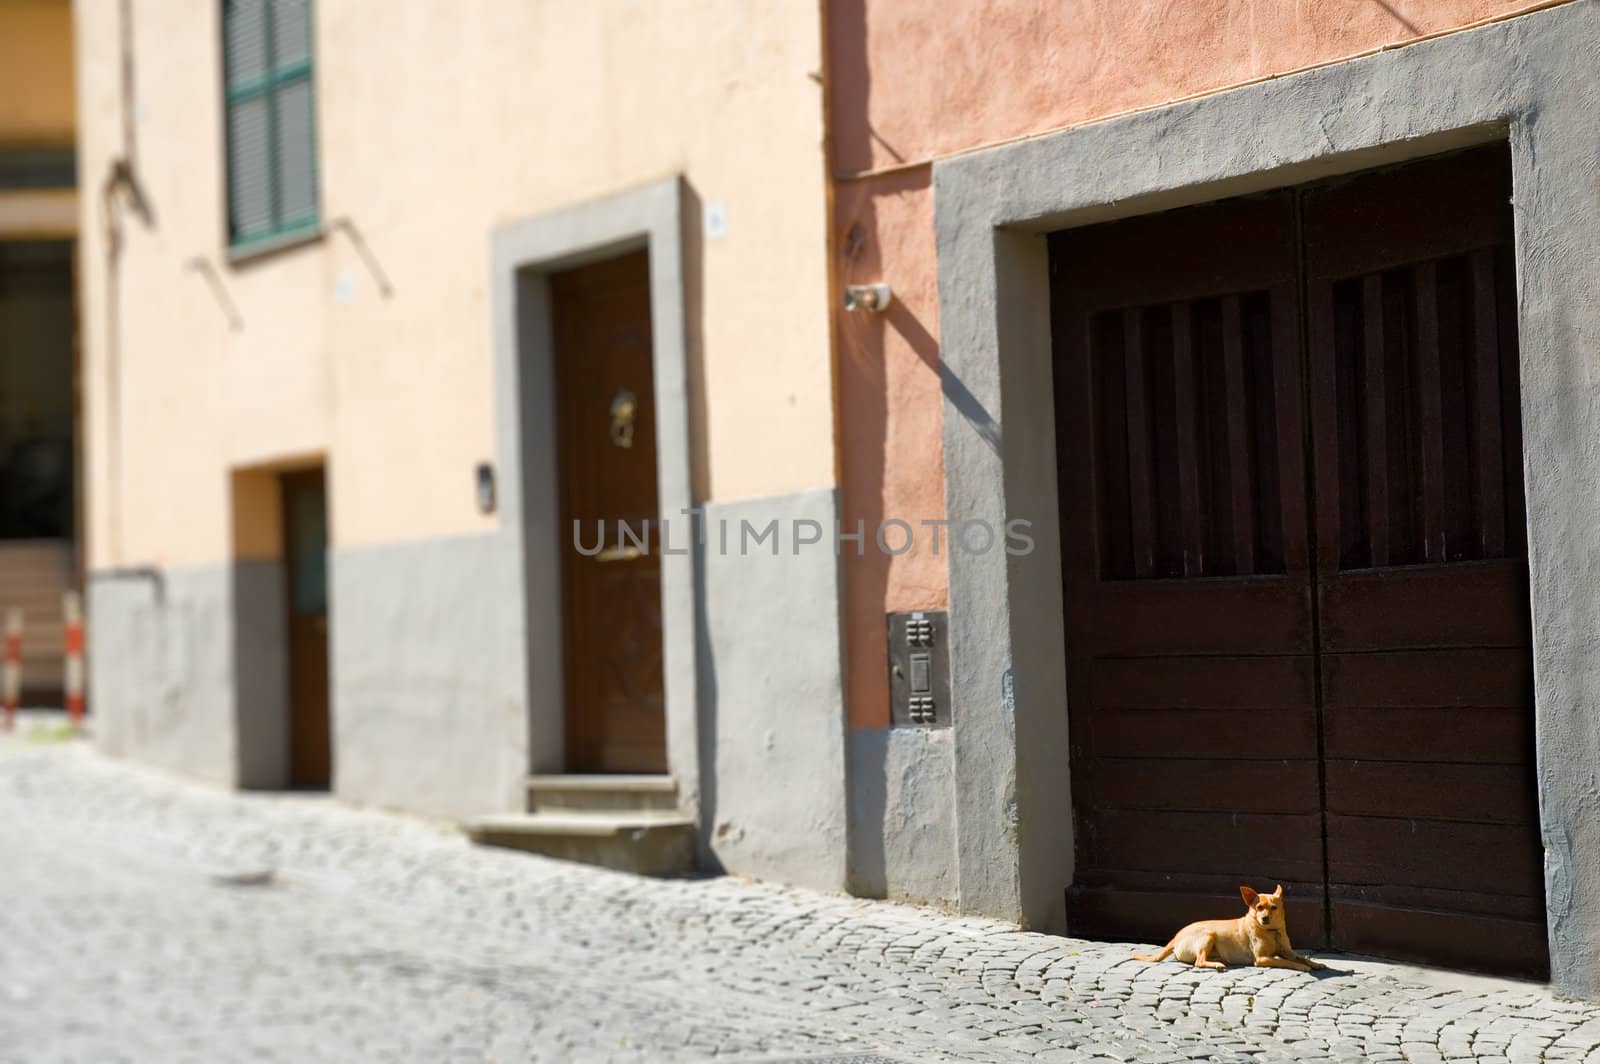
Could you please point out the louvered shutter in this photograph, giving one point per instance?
(271, 119)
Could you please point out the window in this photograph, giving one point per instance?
(271, 116)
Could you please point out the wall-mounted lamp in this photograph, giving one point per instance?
(485, 476)
(868, 297)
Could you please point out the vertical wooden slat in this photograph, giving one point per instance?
(1187, 404)
(1377, 419)
(1324, 421)
(1239, 486)
(1486, 415)
(1287, 401)
(1139, 501)
(1430, 420)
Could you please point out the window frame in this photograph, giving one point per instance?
(271, 81)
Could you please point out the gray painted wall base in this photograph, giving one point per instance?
(772, 726)
(903, 815)
(163, 653)
(429, 702)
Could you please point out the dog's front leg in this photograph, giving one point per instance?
(1285, 949)
(1282, 962)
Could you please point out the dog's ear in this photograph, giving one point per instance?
(1279, 892)
(1248, 895)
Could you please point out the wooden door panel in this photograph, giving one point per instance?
(606, 442)
(1239, 735)
(1464, 604)
(1491, 859)
(1212, 785)
(1465, 788)
(1189, 408)
(1373, 221)
(1258, 615)
(1443, 735)
(1203, 682)
(1498, 677)
(1226, 844)
(1425, 639)
(1186, 566)
(1442, 937)
(305, 538)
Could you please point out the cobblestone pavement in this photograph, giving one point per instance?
(146, 919)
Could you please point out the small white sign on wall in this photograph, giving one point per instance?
(716, 220)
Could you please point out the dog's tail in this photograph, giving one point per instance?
(1166, 951)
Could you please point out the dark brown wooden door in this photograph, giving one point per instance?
(605, 399)
(1191, 647)
(1272, 676)
(1422, 576)
(305, 537)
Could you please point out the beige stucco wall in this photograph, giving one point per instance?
(436, 123)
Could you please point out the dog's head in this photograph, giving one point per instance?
(1266, 909)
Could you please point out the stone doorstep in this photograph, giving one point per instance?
(647, 842)
(602, 793)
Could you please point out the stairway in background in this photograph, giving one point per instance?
(34, 574)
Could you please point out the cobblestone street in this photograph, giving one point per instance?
(147, 919)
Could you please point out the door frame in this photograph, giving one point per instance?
(992, 208)
(523, 256)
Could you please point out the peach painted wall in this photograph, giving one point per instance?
(914, 80)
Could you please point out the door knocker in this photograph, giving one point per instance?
(623, 408)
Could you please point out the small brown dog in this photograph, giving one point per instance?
(1260, 937)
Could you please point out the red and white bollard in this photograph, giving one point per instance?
(72, 611)
(11, 669)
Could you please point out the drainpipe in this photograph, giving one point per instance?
(121, 185)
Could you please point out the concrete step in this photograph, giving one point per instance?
(599, 794)
(647, 844)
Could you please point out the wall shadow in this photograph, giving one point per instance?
(868, 343)
(706, 731)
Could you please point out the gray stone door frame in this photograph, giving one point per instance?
(523, 256)
(1528, 80)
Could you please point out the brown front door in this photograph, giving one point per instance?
(611, 587)
(1295, 569)
(305, 537)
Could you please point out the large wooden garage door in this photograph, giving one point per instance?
(1295, 566)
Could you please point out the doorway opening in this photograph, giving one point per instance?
(1295, 566)
(280, 620)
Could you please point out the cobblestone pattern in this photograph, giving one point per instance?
(135, 925)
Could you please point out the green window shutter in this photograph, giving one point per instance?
(271, 119)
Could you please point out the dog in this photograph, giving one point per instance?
(1260, 937)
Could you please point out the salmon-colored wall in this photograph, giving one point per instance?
(934, 78)
(913, 80)
(892, 450)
